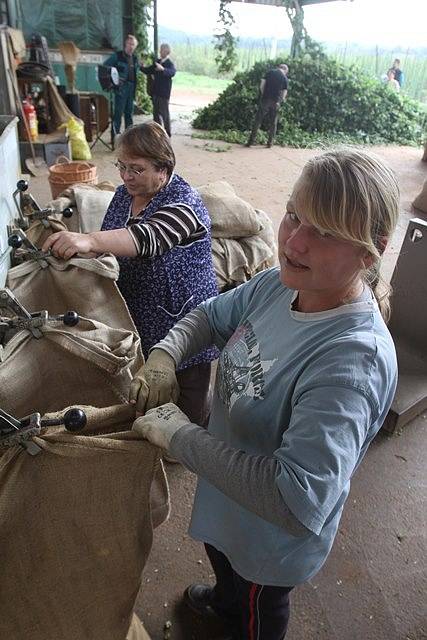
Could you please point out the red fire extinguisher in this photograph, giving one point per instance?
(30, 114)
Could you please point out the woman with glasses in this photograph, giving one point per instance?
(159, 229)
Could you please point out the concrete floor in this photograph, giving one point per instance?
(373, 585)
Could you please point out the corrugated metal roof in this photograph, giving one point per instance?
(275, 3)
(279, 3)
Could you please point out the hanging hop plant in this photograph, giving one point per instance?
(225, 45)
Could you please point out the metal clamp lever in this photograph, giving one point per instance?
(10, 303)
(13, 432)
(18, 239)
(29, 210)
(43, 214)
(26, 202)
(23, 319)
(20, 432)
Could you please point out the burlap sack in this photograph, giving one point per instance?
(231, 216)
(236, 261)
(76, 531)
(85, 285)
(268, 236)
(420, 201)
(90, 363)
(38, 232)
(108, 420)
(136, 630)
(90, 204)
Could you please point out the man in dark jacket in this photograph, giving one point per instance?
(274, 89)
(162, 70)
(127, 64)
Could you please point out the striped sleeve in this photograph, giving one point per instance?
(170, 226)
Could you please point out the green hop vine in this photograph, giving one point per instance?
(225, 46)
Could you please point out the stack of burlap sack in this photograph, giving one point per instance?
(76, 520)
(243, 240)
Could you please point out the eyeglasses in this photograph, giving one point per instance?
(124, 167)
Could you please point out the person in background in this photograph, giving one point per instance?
(391, 82)
(398, 73)
(306, 377)
(159, 228)
(162, 70)
(127, 65)
(274, 89)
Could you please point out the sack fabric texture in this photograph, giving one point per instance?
(231, 216)
(90, 204)
(38, 232)
(243, 238)
(85, 285)
(76, 529)
(90, 363)
(136, 630)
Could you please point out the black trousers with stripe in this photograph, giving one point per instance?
(252, 611)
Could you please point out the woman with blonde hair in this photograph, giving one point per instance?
(306, 376)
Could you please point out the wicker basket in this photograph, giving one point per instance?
(65, 173)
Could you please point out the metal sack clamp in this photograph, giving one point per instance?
(18, 240)
(20, 432)
(23, 319)
(29, 210)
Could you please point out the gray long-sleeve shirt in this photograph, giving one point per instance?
(250, 480)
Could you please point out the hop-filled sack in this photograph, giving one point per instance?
(85, 285)
(90, 363)
(76, 525)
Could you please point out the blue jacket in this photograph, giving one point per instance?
(162, 83)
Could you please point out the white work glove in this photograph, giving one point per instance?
(155, 383)
(159, 425)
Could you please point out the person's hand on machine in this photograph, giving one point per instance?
(155, 383)
(66, 244)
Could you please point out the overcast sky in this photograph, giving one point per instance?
(385, 22)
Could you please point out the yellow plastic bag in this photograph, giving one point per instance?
(79, 147)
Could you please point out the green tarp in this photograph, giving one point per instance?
(90, 24)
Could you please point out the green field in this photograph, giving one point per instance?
(197, 61)
(201, 83)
